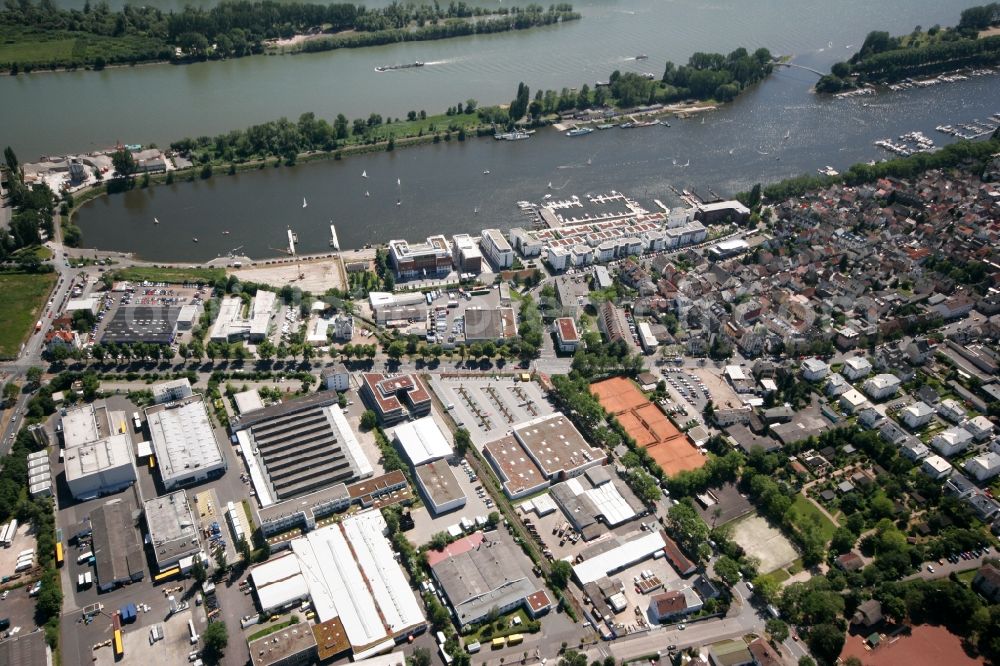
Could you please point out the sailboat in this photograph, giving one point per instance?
(788, 134)
(486, 172)
(156, 221)
(304, 204)
(367, 193)
(550, 184)
(399, 199)
(364, 174)
(195, 239)
(476, 211)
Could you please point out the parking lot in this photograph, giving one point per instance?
(446, 313)
(477, 503)
(489, 407)
(173, 648)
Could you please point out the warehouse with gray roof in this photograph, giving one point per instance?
(184, 442)
(117, 549)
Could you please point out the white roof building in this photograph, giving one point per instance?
(349, 571)
(917, 415)
(980, 427)
(814, 369)
(882, 386)
(177, 389)
(983, 467)
(248, 401)
(836, 384)
(851, 401)
(80, 426)
(936, 467)
(616, 559)
(951, 441)
(100, 467)
(856, 367)
(184, 442)
(231, 324)
(422, 441)
(952, 410)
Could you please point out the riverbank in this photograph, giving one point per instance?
(90, 45)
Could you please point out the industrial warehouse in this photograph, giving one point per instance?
(117, 549)
(100, 467)
(299, 447)
(349, 572)
(184, 442)
(481, 573)
(148, 324)
(173, 533)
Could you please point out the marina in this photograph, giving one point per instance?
(907, 144)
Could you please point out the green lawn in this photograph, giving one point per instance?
(967, 576)
(44, 48)
(804, 512)
(779, 576)
(22, 297)
(170, 275)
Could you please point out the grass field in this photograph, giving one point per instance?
(803, 512)
(64, 48)
(170, 275)
(22, 297)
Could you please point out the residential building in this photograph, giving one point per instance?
(936, 467)
(466, 254)
(980, 427)
(917, 415)
(497, 249)
(612, 323)
(856, 367)
(882, 386)
(951, 409)
(836, 385)
(987, 582)
(951, 441)
(983, 467)
(674, 604)
(814, 369)
(851, 401)
(567, 337)
(343, 327)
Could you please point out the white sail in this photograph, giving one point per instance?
(304, 204)
(364, 174)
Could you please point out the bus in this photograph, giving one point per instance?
(119, 648)
(152, 462)
(165, 575)
(8, 538)
(59, 554)
(515, 639)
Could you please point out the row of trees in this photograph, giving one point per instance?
(33, 210)
(883, 58)
(236, 28)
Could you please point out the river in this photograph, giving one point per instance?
(441, 187)
(50, 113)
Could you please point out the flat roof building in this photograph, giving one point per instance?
(481, 572)
(595, 501)
(468, 258)
(732, 211)
(422, 441)
(232, 324)
(490, 325)
(80, 425)
(348, 571)
(620, 556)
(300, 446)
(413, 260)
(294, 645)
(26, 649)
(116, 546)
(557, 447)
(439, 487)
(171, 391)
(101, 467)
(173, 532)
(392, 398)
(248, 401)
(184, 442)
(152, 324)
(567, 337)
(517, 471)
(496, 248)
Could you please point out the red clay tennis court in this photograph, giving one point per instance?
(926, 645)
(647, 425)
